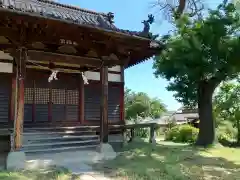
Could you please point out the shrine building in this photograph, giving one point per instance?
(62, 67)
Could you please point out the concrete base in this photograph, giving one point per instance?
(106, 151)
(16, 161)
(76, 161)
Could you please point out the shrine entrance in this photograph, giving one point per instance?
(55, 101)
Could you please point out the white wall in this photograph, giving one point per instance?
(6, 67)
(5, 56)
(115, 68)
(96, 76)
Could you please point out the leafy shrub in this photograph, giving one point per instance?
(226, 133)
(172, 123)
(160, 132)
(182, 133)
(142, 132)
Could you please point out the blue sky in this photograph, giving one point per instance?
(128, 15)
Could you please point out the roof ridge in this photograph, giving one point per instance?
(73, 7)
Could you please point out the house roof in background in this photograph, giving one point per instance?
(185, 116)
(179, 117)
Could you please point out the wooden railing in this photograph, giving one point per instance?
(129, 130)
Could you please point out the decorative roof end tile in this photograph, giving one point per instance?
(110, 17)
(146, 30)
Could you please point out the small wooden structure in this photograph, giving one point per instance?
(40, 36)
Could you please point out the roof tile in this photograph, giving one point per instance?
(51, 9)
(46, 8)
(59, 11)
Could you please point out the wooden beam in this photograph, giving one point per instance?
(127, 60)
(65, 58)
(9, 33)
(104, 105)
(19, 102)
(62, 58)
(4, 47)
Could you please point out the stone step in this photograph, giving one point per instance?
(70, 132)
(57, 139)
(60, 149)
(38, 147)
(52, 124)
(61, 143)
(52, 139)
(65, 137)
(77, 128)
(58, 131)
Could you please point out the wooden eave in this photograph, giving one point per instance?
(130, 49)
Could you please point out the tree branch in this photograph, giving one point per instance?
(176, 9)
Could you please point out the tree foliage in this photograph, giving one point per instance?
(140, 104)
(198, 56)
(227, 104)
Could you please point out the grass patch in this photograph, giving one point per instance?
(171, 161)
(50, 174)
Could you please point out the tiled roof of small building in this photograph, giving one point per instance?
(51, 9)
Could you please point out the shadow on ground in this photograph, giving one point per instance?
(169, 161)
(50, 174)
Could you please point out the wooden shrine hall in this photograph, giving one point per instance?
(64, 66)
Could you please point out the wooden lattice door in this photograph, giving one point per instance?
(36, 96)
(29, 99)
(57, 101)
(42, 97)
(65, 98)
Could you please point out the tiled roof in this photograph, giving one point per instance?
(82, 17)
(51, 9)
(185, 116)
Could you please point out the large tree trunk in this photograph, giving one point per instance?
(206, 135)
(238, 132)
(181, 6)
(237, 118)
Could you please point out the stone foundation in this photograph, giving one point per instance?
(15, 161)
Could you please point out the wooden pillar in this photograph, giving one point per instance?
(81, 101)
(104, 105)
(21, 56)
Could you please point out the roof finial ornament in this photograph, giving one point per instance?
(146, 30)
(147, 23)
(110, 17)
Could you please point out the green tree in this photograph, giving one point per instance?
(227, 104)
(198, 56)
(156, 108)
(140, 104)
